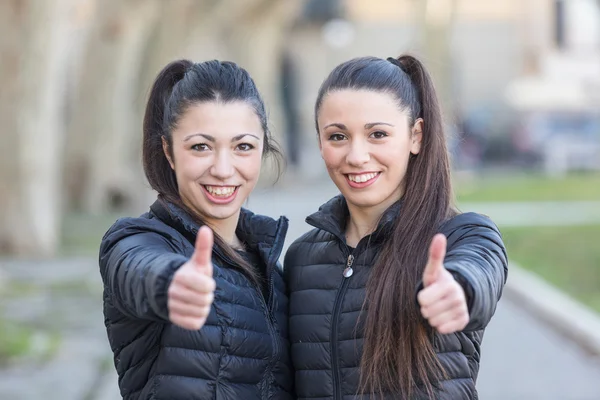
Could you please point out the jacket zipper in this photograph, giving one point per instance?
(270, 321)
(272, 331)
(334, 328)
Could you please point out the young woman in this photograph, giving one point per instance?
(392, 290)
(187, 319)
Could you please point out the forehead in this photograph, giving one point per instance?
(360, 105)
(219, 119)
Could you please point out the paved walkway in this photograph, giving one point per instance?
(521, 358)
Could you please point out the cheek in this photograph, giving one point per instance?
(189, 167)
(250, 166)
(331, 155)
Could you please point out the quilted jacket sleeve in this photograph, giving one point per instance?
(137, 263)
(477, 258)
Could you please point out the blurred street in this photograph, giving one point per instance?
(519, 85)
(522, 359)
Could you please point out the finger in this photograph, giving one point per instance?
(191, 323)
(453, 326)
(434, 293)
(454, 314)
(202, 256)
(189, 310)
(197, 282)
(435, 262)
(447, 303)
(184, 294)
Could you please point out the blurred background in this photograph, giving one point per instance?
(520, 86)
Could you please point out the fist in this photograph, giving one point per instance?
(192, 289)
(442, 300)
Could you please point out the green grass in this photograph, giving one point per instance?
(15, 341)
(567, 257)
(523, 187)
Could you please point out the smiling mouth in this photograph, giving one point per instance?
(220, 194)
(220, 191)
(359, 181)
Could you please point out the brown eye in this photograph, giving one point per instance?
(379, 134)
(200, 147)
(245, 147)
(336, 137)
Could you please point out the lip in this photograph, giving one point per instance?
(361, 185)
(220, 200)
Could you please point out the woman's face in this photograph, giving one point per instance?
(366, 141)
(216, 156)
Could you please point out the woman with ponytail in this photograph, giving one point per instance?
(195, 304)
(392, 290)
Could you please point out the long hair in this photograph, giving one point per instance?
(179, 85)
(398, 352)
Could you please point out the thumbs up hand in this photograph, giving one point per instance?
(191, 291)
(442, 300)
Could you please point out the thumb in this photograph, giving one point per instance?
(202, 257)
(435, 263)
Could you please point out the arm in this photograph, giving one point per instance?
(476, 257)
(137, 263)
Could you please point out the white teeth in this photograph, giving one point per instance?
(362, 177)
(223, 191)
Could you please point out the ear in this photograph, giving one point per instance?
(165, 147)
(416, 136)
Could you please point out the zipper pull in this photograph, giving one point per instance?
(349, 271)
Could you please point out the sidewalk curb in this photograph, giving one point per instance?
(566, 315)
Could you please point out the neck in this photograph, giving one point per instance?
(225, 228)
(363, 220)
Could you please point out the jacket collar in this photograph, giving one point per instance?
(333, 216)
(260, 233)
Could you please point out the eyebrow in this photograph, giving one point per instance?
(212, 138)
(367, 126)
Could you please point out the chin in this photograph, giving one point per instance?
(221, 212)
(362, 201)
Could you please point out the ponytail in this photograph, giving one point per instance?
(408, 353)
(158, 171)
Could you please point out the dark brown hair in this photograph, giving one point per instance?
(179, 85)
(398, 353)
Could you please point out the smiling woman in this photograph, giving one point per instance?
(186, 318)
(392, 290)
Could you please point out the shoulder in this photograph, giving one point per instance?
(262, 228)
(468, 221)
(140, 231)
(472, 228)
(309, 246)
(315, 236)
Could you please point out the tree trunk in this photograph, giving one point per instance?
(34, 46)
(257, 41)
(102, 173)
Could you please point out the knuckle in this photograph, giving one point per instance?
(213, 285)
(457, 302)
(205, 311)
(208, 299)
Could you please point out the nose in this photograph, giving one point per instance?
(358, 154)
(223, 167)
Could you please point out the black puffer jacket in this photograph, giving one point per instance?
(242, 352)
(324, 306)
